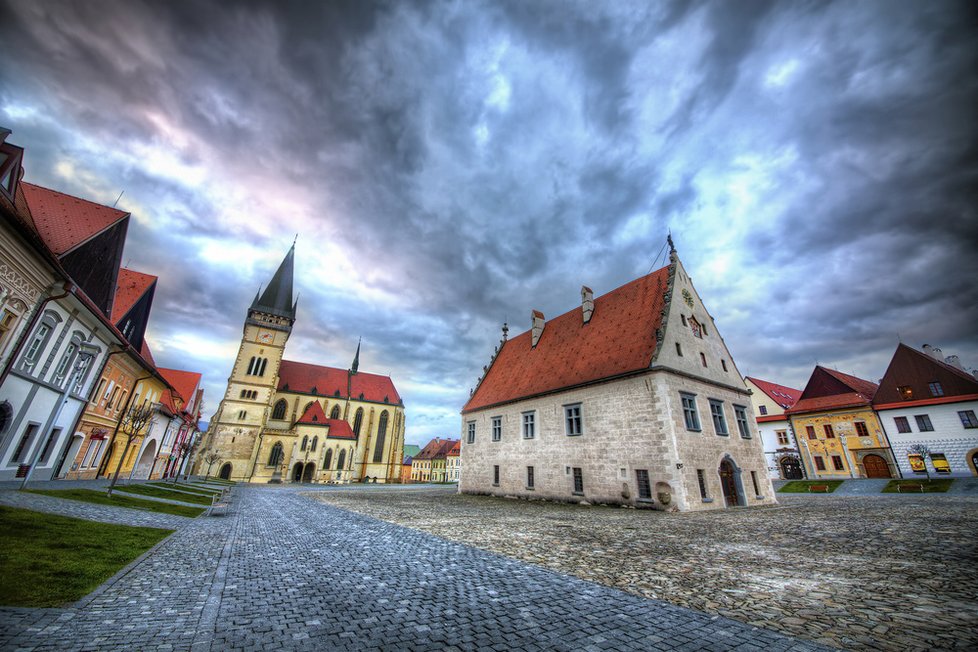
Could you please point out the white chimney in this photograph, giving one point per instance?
(933, 352)
(587, 302)
(537, 322)
(954, 361)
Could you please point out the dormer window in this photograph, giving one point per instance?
(906, 392)
(935, 389)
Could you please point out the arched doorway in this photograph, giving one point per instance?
(729, 482)
(972, 458)
(225, 472)
(146, 461)
(297, 472)
(875, 466)
(790, 468)
(308, 471)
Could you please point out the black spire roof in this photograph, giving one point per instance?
(277, 297)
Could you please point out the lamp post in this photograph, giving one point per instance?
(86, 353)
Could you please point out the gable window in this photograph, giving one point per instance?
(683, 317)
(968, 419)
(695, 327)
(923, 423)
(861, 429)
(690, 416)
(783, 437)
(471, 433)
(278, 412)
(529, 425)
(819, 463)
(497, 428)
(829, 433)
(762, 409)
(837, 462)
(572, 420)
(529, 477)
(578, 480)
(935, 389)
(719, 421)
(66, 360)
(740, 413)
(644, 486)
(902, 424)
(906, 392)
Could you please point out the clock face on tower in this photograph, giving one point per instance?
(265, 338)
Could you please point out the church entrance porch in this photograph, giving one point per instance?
(225, 473)
(728, 481)
(303, 472)
(308, 471)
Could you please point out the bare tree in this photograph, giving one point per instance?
(212, 458)
(924, 452)
(132, 424)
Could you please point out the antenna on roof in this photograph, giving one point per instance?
(655, 261)
(296, 239)
(118, 198)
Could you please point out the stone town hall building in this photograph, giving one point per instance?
(631, 398)
(285, 421)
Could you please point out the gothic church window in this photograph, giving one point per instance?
(327, 463)
(335, 414)
(278, 412)
(276, 455)
(305, 442)
(315, 441)
(381, 436)
(357, 422)
(342, 461)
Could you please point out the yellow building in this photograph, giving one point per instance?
(838, 431)
(285, 421)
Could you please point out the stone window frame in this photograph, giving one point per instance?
(718, 417)
(740, 416)
(277, 414)
(782, 436)
(701, 481)
(528, 424)
(470, 434)
(495, 475)
(757, 487)
(691, 417)
(33, 355)
(530, 479)
(828, 430)
(569, 419)
(497, 427)
(923, 422)
(639, 483)
(577, 473)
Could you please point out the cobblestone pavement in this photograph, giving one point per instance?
(283, 571)
(887, 572)
(92, 511)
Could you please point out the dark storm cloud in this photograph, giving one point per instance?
(449, 166)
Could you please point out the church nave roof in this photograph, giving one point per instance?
(306, 378)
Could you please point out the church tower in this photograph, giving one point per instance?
(254, 376)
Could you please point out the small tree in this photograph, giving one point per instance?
(212, 457)
(924, 452)
(132, 424)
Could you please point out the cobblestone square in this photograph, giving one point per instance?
(867, 572)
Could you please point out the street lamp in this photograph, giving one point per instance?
(86, 353)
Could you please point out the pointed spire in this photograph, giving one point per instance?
(277, 297)
(356, 358)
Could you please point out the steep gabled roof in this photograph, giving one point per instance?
(433, 449)
(828, 389)
(619, 339)
(917, 370)
(130, 287)
(304, 378)
(339, 429)
(455, 450)
(64, 221)
(147, 354)
(313, 416)
(781, 394)
(276, 299)
(185, 383)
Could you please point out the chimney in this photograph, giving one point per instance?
(537, 322)
(954, 361)
(933, 352)
(587, 302)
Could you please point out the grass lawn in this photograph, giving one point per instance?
(201, 491)
(930, 486)
(48, 560)
(99, 498)
(159, 492)
(801, 486)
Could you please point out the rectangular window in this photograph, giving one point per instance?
(34, 350)
(753, 478)
(935, 389)
(242, 414)
(471, 433)
(740, 413)
(578, 480)
(783, 437)
(762, 409)
(701, 478)
(940, 463)
(644, 486)
(829, 433)
(497, 428)
(968, 419)
(529, 477)
(48, 446)
(902, 424)
(572, 420)
(21, 451)
(719, 421)
(690, 416)
(495, 475)
(906, 392)
(703, 358)
(810, 430)
(923, 423)
(861, 429)
(529, 425)
(98, 392)
(837, 463)
(723, 363)
(819, 463)
(679, 349)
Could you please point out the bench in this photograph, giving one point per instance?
(818, 488)
(220, 503)
(903, 488)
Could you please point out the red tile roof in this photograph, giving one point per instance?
(829, 389)
(130, 287)
(781, 394)
(455, 450)
(184, 382)
(314, 416)
(436, 449)
(64, 221)
(620, 338)
(147, 354)
(326, 381)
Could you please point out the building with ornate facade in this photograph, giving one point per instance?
(286, 421)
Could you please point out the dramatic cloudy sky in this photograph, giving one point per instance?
(450, 165)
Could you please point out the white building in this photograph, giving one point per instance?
(926, 399)
(769, 401)
(631, 398)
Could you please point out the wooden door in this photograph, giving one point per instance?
(728, 483)
(791, 468)
(876, 467)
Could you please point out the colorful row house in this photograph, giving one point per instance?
(769, 401)
(431, 464)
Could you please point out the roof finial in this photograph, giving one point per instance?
(505, 331)
(356, 357)
(672, 247)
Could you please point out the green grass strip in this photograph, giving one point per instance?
(200, 491)
(801, 486)
(48, 560)
(100, 498)
(914, 486)
(157, 492)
